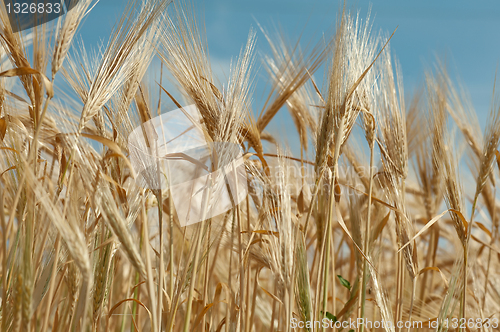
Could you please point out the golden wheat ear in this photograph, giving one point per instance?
(120, 55)
(284, 67)
(289, 69)
(66, 30)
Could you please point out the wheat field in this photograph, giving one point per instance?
(383, 219)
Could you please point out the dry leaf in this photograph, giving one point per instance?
(3, 128)
(30, 71)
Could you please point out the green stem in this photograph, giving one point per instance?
(466, 258)
(148, 264)
(171, 219)
(161, 267)
(136, 290)
(367, 237)
(338, 143)
(187, 318)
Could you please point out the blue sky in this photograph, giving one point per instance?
(463, 32)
